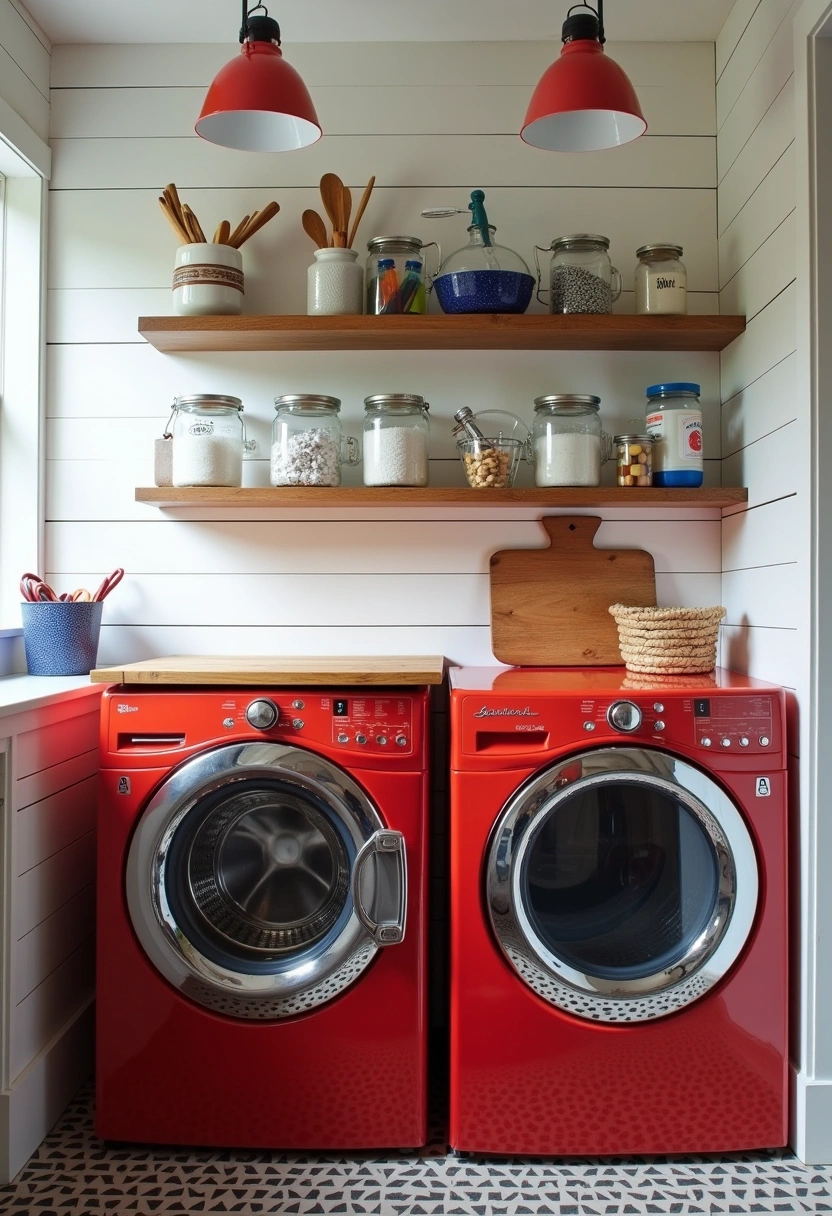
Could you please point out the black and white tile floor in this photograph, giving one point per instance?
(72, 1172)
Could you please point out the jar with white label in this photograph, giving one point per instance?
(208, 441)
(661, 281)
(569, 445)
(674, 419)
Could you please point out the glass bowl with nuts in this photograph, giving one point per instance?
(491, 445)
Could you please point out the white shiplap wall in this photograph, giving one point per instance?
(322, 581)
(24, 66)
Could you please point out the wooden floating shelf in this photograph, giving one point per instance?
(474, 332)
(437, 496)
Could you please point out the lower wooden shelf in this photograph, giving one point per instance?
(437, 496)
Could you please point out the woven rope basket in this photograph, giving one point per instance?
(668, 641)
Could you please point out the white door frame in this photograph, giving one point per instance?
(812, 988)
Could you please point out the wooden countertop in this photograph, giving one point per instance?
(269, 669)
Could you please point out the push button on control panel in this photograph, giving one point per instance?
(726, 742)
(381, 740)
(705, 742)
(361, 739)
(401, 741)
(744, 742)
(342, 738)
(764, 740)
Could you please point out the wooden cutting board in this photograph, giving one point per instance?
(549, 607)
(268, 669)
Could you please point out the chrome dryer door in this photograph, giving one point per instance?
(261, 881)
(621, 884)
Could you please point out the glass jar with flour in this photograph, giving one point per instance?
(569, 445)
(308, 444)
(661, 281)
(209, 439)
(396, 436)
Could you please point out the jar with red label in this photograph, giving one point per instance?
(674, 420)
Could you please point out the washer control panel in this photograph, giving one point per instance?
(743, 725)
(370, 723)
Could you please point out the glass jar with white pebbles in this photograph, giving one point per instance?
(396, 438)
(569, 445)
(308, 444)
(208, 441)
(582, 276)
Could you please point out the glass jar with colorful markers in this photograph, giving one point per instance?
(396, 276)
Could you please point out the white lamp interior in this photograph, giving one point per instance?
(258, 131)
(584, 130)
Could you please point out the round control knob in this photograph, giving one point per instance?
(381, 740)
(624, 716)
(744, 742)
(658, 724)
(401, 741)
(342, 738)
(659, 708)
(298, 704)
(262, 715)
(361, 738)
(726, 742)
(764, 740)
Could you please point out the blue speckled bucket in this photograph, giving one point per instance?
(484, 291)
(61, 639)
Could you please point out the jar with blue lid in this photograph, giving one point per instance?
(674, 420)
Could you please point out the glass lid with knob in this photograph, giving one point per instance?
(482, 276)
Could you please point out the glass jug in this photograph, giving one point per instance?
(308, 444)
(582, 276)
(209, 438)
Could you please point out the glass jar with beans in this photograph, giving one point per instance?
(634, 458)
(308, 444)
(582, 276)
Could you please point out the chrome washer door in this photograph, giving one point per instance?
(621, 884)
(261, 880)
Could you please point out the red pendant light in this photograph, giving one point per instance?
(258, 102)
(584, 101)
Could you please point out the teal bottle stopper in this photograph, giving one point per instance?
(479, 218)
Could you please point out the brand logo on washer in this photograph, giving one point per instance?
(127, 709)
(526, 712)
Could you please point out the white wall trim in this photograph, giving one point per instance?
(812, 1088)
(16, 136)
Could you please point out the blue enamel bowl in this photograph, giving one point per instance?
(484, 291)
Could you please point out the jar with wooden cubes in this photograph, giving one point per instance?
(634, 458)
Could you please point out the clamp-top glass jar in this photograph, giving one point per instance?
(583, 278)
(569, 445)
(661, 280)
(308, 444)
(396, 436)
(209, 438)
(396, 275)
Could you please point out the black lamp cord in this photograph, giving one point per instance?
(247, 12)
(599, 13)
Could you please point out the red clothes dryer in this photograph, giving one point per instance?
(262, 917)
(619, 922)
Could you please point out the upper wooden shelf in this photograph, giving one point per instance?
(475, 332)
(437, 496)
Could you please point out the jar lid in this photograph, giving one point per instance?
(565, 402)
(208, 401)
(396, 401)
(308, 401)
(378, 242)
(661, 247)
(581, 238)
(656, 390)
(633, 439)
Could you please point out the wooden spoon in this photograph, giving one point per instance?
(238, 231)
(362, 207)
(182, 235)
(346, 210)
(315, 228)
(223, 233)
(194, 225)
(258, 221)
(331, 191)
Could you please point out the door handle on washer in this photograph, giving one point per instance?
(391, 846)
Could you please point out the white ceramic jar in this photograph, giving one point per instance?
(335, 283)
(208, 280)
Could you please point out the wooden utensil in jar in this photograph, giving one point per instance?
(332, 191)
(362, 207)
(315, 228)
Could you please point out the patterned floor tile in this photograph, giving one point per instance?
(74, 1173)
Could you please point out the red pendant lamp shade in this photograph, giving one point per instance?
(584, 101)
(258, 102)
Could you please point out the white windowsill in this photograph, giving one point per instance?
(20, 693)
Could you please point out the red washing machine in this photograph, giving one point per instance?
(262, 917)
(619, 921)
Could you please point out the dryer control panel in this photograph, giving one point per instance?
(372, 723)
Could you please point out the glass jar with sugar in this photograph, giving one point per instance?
(209, 439)
(661, 280)
(569, 445)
